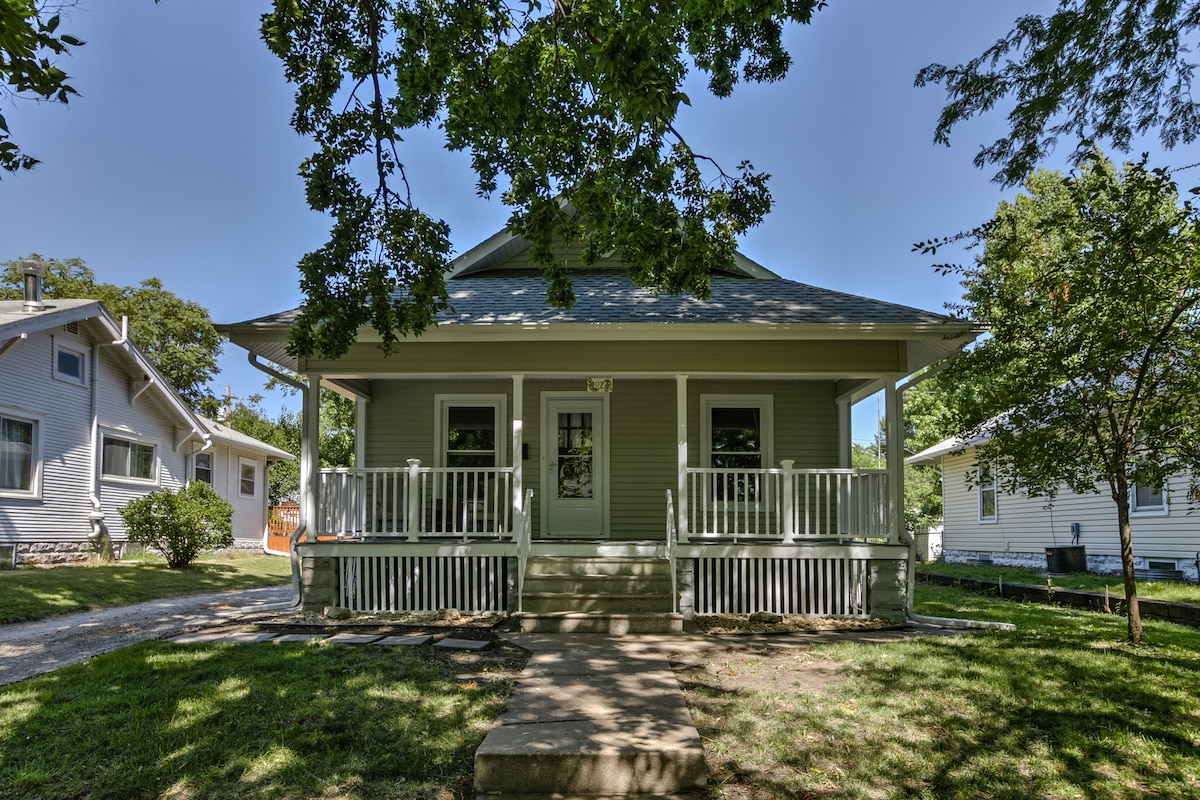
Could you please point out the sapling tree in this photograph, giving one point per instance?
(180, 525)
(1090, 285)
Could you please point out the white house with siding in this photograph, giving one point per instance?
(983, 524)
(636, 455)
(87, 424)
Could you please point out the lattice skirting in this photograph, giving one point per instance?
(471, 584)
(819, 587)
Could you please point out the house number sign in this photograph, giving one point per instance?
(599, 384)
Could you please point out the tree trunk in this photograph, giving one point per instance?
(1126, 535)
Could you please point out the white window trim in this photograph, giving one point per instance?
(766, 406)
(442, 404)
(76, 349)
(125, 436)
(979, 489)
(211, 467)
(243, 462)
(1161, 510)
(34, 492)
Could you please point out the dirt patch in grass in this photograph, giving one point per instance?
(763, 670)
(735, 623)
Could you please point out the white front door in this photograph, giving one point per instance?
(575, 466)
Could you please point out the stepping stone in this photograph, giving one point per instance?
(403, 640)
(198, 637)
(355, 638)
(462, 644)
(299, 637)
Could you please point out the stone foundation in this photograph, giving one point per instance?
(50, 553)
(318, 583)
(1098, 565)
(888, 590)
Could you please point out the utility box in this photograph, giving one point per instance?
(1063, 560)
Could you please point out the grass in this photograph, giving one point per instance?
(33, 593)
(1061, 708)
(281, 721)
(1154, 590)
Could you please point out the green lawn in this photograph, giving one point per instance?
(1154, 590)
(32, 593)
(1060, 708)
(280, 721)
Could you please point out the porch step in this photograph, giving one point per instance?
(601, 602)
(606, 585)
(595, 566)
(585, 622)
(543, 583)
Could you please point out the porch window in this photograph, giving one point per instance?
(987, 493)
(737, 434)
(18, 456)
(470, 436)
(129, 459)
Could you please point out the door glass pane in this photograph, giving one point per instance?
(575, 455)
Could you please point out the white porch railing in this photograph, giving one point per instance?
(416, 502)
(787, 504)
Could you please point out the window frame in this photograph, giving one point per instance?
(244, 462)
(34, 492)
(76, 349)
(1160, 510)
(444, 402)
(131, 439)
(196, 467)
(765, 403)
(983, 487)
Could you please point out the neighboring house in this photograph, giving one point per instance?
(983, 524)
(638, 452)
(87, 424)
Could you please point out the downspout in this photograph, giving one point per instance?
(96, 515)
(911, 542)
(294, 602)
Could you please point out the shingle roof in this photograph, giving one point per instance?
(609, 296)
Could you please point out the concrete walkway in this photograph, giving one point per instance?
(31, 648)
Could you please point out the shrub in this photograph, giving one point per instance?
(180, 525)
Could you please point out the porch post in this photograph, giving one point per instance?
(310, 457)
(789, 501)
(894, 401)
(518, 430)
(681, 525)
(845, 432)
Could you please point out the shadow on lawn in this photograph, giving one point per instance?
(254, 720)
(988, 715)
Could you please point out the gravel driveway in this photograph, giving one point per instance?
(28, 649)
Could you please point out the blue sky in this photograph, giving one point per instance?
(177, 161)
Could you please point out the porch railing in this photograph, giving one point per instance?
(787, 504)
(416, 502)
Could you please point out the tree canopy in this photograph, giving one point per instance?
(1094, 70)
(176, 335)
(1088, 284)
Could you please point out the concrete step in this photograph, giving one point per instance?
(553, 565)
(581, 622)
(605, 602)
(598, 584)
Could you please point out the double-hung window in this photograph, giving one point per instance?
(18, 456)
(987, 493)
(737, 431)
(247, 477)
(128, 459)
(202, 468)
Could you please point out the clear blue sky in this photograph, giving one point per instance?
(177, 161)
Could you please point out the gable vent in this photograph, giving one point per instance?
(71, 327)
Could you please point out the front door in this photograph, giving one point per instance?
(575, 469)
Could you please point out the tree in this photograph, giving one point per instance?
(29, 39)
(1092, 70)
(176, 335)
(568, 109)
(1088, 284)
(180, 525)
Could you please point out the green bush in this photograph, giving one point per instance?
(180, 525)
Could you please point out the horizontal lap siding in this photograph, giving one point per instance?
(26, 383)
(1025, 525)
(642, 416)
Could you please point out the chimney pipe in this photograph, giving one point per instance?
(33, 272)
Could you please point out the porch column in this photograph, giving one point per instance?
(681, 502)
(360, 432)
(518, 431)
(310, 457)
(894, 402)
(845, 432)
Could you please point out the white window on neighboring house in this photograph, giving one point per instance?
(987, 493)
(70, 363)
(202, 468)
(128, 459)
(18, 456)
(247, 477)
(1147, 500)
